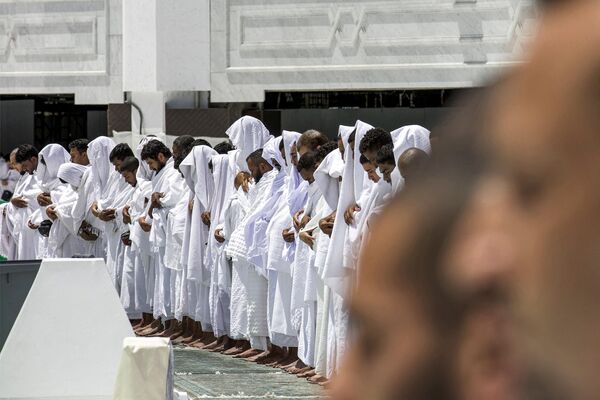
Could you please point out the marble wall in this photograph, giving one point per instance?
(275, 45)
(62, 46)
(238, 49)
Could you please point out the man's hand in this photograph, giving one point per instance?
(51, 212)
(205, 218)
(145, 226)
(126, 215)
(307, 238)
(191, 205)
(44, 199)
(219, 236)
(19, 202)
(326, 224)
(33, 226)
(288, 235)
(297, 220)
(155, 199)
(94, 210)
(107, 215)
(349, 213)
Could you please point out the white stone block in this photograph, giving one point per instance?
(66, 342)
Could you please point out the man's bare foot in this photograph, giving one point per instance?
(317, 379)
(154, 328)
(135, 323)
(307, 374)
(296, 367)
(153, 325)
(240, 347)
(259, 357)
(248, 353)
(286, 362)
(221, 343)
(326, 383)
(212, 345)
(300, 371)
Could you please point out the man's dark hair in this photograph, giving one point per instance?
(120, 152)
(224, 147)
(256, 157)
(322, 151)
(352, 136)
(375, 139)
(385, 155)
(308, 161)
(201, 142)
(80, 144)
(312, 139)
(25, 152)
(130, 164)
(153, 148)
(183, 141)
(364, 160)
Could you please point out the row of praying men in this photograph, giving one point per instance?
(249, 248)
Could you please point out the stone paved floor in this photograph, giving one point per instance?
(206, 375)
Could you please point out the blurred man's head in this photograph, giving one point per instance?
(156, 155)
(181, 148)
(372, 142)
(307, 164)
(224, 147)
(257, 165)
(120, 152)
(386, 162)
(411, 162)
(128, 170)
(26, 158)
(78, 151)
(310, 140)
(369, 169)
(544, 132)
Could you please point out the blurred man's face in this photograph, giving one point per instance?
(130, 177)
(371, 172)
(78, 157)
(254, 170)
(395, 344)
(156, 164)
(117, 164)
(371, 155)
(294, 154)
(546, 137)
(386, 170)
(13, 162)
(29, 166)
(340, 144)
(307, 175)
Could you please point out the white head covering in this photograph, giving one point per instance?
(405, 138)
(99, 152)
(271, 152)
(327, 177)
(71, 173)
(51, 158)
(247, 135)
(197, 174)
(144, 172)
